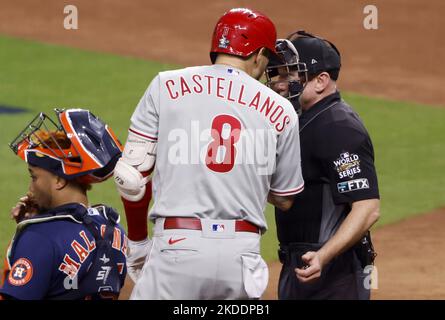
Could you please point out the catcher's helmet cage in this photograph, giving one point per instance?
(78, 146)
(288, 61)
(241, 32)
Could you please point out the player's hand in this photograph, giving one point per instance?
(24, 209)
(312, 269)
(136, 256)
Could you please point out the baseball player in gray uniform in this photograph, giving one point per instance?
(222, 144)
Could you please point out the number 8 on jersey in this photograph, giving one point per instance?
(223, 143)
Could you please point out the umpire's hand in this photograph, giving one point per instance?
(312, 269)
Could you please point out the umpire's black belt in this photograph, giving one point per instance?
(296, 248)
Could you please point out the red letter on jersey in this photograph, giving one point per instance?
(184, 87)
(197, 76)
(240, 101)
(81, 252)
(91, 245)
(169, 89)
(117, 239)
(230, 91)
(125, 245)
(286, 121)
(219, 87)
(280, 111)
(209, 91)
(102, 230)
(69, 266)
(267, 105)
(255, 101)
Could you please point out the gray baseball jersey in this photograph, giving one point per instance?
(224, 141)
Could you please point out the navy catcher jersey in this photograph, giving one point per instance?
(51, 254)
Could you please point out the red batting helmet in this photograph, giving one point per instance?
(241, 32)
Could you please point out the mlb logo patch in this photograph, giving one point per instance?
(218, 227)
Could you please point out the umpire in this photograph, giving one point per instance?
(325, 245)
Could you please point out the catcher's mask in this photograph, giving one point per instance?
(76, 146)
(241, 32)
(287, 69)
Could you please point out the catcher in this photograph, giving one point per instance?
(63, 248)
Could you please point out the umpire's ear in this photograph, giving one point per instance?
(322, 81)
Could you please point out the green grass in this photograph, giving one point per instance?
(408, 138)
(409, 143)
(40, 77)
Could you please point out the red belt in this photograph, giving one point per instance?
(195, 224)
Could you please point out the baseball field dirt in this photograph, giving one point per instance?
(400, 60)
(408, 253)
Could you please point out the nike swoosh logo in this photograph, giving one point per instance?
(171, 241)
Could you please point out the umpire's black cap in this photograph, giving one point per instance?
(318, 54)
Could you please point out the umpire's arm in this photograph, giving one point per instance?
(283, 203)
(363, 215)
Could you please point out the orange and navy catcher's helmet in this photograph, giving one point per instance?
(241, 32)
(78, 145)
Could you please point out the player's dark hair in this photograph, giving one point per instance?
(266, 52)
(82, 186)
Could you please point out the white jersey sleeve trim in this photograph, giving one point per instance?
(288, 192)
(143, 135)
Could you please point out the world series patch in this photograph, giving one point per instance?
(347, 165)
(21, 272)
(353, 185)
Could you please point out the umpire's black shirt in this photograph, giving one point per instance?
(337, 159)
